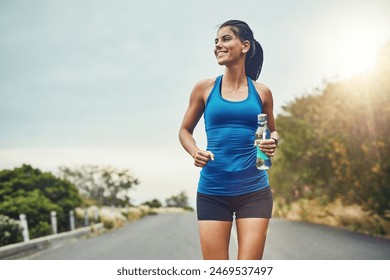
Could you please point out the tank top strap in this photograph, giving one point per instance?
(252, 91)
(216, 87)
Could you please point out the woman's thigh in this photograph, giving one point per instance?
(214, 239)
(251, 234)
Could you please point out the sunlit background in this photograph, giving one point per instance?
(107, 82)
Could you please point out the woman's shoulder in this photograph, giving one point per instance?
(264, 92)
(262, 88)
(205, 83)
(203, 87)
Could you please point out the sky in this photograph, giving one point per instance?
(108, 82)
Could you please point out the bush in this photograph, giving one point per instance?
(10, 231)
(334, 213)
(43, 228)
(29, 191)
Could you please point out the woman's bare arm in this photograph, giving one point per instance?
(191, 118)
(268, 146)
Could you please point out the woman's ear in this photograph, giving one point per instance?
(246, 45)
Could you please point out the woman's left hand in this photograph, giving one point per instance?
(267, 146)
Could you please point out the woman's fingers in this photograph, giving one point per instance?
(202, 157)
(268, 147)
(211, 155)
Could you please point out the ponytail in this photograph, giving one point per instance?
(254, 61)
(254, 58)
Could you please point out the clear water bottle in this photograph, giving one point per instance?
(263, 162)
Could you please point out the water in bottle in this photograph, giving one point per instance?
(263, 162)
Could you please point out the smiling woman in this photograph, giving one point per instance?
(230, 187)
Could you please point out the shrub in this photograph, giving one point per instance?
(10, 231)
(29, 191)
(43, 228)
(334, 213)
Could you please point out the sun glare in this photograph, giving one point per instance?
(357, 58)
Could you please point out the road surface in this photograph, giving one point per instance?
(175, 237)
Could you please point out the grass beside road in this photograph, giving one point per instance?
(352, 217)
(116, 217)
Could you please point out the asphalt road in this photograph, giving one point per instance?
(175, 237)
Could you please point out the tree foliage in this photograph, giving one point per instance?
(10, 231)
(35, 193)
(105, 185)
(155, 203)
(336, 142)
(180, 200)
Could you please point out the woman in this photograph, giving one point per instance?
(230, 184)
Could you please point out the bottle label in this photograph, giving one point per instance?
(261, 155)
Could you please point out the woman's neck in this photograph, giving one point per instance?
(235, 77)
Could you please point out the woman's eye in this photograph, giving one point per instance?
(224, 39)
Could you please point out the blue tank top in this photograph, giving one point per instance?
(230, 129)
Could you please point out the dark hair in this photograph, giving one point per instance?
(254, 58)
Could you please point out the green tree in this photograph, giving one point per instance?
(155, 203)
(35, 193)
(180, 200)
(104, 184)
(336, 142)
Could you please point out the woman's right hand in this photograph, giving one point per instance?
(201, 157)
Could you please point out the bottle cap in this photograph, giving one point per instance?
(262, 117)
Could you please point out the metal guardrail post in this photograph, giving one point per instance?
(86, 217)
(24, 225)
(71, 220)
(96, 214)
(53, 216)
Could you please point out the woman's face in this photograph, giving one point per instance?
(228, 47)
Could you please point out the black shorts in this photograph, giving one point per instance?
(256, 204)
